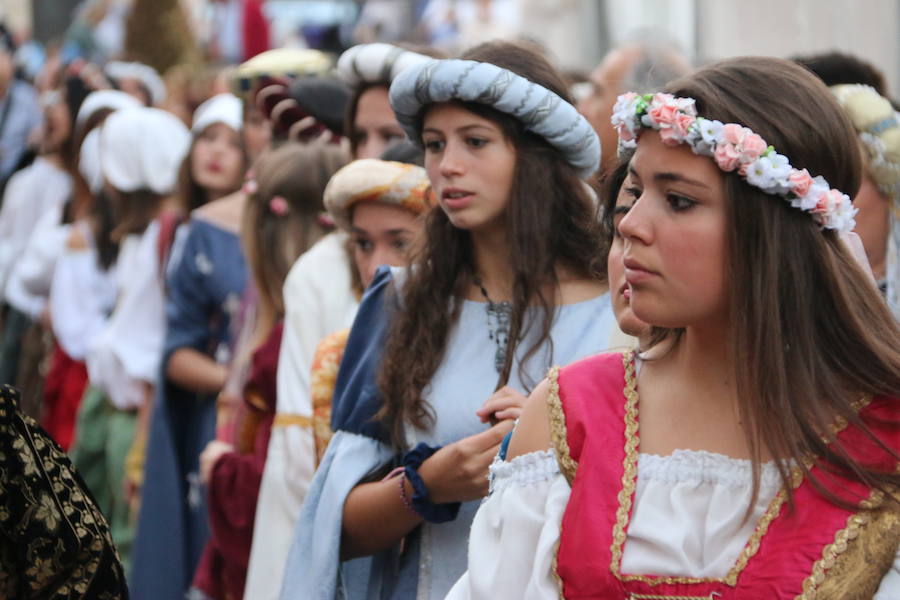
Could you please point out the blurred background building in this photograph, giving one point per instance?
(577, 33)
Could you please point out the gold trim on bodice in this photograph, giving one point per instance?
(567, 464)
(835, 555)
(851, 567)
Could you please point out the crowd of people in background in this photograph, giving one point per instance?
(293, 328)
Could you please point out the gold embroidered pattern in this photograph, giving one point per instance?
(853, 565)
(629, 472)
(558, 434)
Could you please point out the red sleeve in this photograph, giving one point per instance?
(255, 29)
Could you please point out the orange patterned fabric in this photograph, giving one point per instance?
(325, 367)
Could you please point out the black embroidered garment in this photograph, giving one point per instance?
(54, 542)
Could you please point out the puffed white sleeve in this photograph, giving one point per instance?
(512, 544)
(890, 583)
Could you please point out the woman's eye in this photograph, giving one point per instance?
(363, 244)
(400, 244)
(476, 142)
(679, 203)
(634, 192)
(434, 145)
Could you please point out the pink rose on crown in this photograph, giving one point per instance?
(800, 181)
(662, 114)
(683, 123)
(625, 133)
(828, 201)
(732, 133)
(727, 157)
(752, 147)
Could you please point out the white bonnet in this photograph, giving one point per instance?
(112, 99)
(146, 74)
(142, 148)
(221, 108)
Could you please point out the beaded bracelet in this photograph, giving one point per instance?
(401, 482)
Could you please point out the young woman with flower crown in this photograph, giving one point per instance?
(753, 451)
(507, 281)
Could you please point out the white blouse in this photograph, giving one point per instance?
(82, 296)
(125, 354)
(688, 520)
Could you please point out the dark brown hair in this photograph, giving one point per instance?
(550, 221)
(810, 334)
(272, 242)
(132, 212)
(362, 88)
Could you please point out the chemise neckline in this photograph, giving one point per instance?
(701, 466)
(585, 302)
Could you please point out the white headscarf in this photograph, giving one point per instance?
(221, 108)
(142, 148)
(146, 74)
(89, 161)
(113, 99)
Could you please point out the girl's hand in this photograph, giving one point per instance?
(458, 472)
(212, 453)
(505, 403)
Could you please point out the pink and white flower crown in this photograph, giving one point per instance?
(734, 148)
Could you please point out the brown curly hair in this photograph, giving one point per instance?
(551, 221)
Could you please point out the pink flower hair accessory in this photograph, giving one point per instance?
(734, 148)
(279, 206)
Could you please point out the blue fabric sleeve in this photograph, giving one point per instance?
(313, 568)
(356, 397)
(188, 303)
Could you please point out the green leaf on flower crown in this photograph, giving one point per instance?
(769, 150)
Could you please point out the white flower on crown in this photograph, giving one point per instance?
(810, 200)
(734, 148)
(625, 119)
(708, 135)
(769, 173)
(842, 215)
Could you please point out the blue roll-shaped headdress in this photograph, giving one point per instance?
(542, 111)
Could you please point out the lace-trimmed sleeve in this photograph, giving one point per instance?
(512, 544)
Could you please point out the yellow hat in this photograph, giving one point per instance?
(281, 63)
(373, 180)
(878, 125)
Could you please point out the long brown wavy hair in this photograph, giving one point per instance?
(810, 335)
(550, 221)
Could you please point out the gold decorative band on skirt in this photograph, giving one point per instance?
(291, 420)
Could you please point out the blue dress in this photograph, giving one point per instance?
(206, 279)
(435, 554)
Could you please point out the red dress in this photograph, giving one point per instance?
(816, 548)
(63, 389)
(234, 483)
